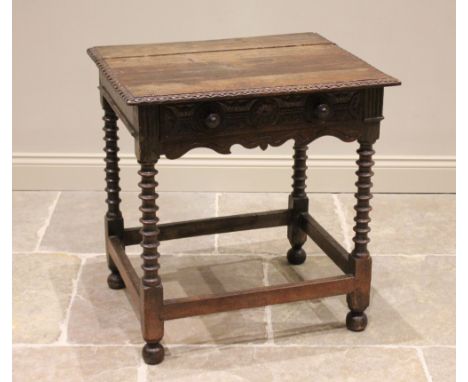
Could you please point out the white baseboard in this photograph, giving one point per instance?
(235, 173)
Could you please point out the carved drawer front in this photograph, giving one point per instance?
(260, 122)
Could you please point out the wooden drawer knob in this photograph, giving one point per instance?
(212, 120)
(322, 111)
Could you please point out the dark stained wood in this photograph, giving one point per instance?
(326, 242)
(256, 92)
(359, 299)
(114, 223)
(127, 113)
(298, 204)
(223, 224)
(277, 294)
(363, 197)
(112, 164)
(151, 292)
(167, 120)
(185, 126)
(126, 270)
(204, 70)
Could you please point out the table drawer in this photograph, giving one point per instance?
(258, 121)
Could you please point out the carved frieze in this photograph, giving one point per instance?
(259, 122)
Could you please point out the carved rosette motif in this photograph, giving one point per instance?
(264, 112)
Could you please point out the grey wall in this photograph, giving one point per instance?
(56, 108)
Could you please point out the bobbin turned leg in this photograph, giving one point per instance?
(151, 290)
(298, 203)
(358, 300)
(114, 224)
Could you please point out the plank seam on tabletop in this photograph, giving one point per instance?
(342, 219)
(63, 338)
(422, 360)
(41, 231)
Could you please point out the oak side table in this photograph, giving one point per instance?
(256, 91)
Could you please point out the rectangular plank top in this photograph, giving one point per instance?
(231, 68)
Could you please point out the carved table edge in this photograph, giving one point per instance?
(130, 99)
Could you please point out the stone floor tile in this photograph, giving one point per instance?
(441, 363)
(101, 315)
(273, 240)
(98, 314)
(412, 303)
(78, 222)
(408, 224)
(31, 210)
(76, 364)
(42, 286)
(281, 364)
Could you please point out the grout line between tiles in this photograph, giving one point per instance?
(342, 218)
(142, 372)
(268, 318)
(63, 338)
(56, 344)
(263, 255)
(224, 345)
(82, 256)
(216, 236)
(422, 359)
(349, 346)
(409, 255)
(41, 232)
(271, 255)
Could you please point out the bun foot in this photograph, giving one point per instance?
(114, 280)
(356, 321)
(153, 353)
(296, 256)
